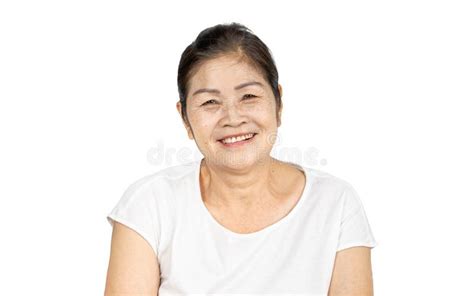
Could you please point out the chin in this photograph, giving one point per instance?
(235, 160)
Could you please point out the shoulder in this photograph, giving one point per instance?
(336, 193)
(326, 181)
(331, 190)
(160, 187)
(168, 176)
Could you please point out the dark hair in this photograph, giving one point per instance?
(220, 40)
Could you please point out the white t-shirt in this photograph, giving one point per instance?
(199, 256)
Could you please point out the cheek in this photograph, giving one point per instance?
(202, 125)
(264, 114)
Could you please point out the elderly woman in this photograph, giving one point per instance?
(237, 221)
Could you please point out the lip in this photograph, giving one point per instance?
(236, 135)
(240, 143)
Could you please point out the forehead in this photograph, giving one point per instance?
(224, 72)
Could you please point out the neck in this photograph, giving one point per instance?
(240, 190)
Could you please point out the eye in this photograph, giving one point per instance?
(249, 96)
(208, 102)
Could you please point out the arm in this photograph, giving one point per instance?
(352, 274)
(133, 267)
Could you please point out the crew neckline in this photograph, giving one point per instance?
(232, 234)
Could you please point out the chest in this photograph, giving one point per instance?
(293, 258)
(263, 214)
(254, 220)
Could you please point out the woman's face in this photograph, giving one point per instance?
(228, 97)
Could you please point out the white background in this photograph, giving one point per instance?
(382, 90)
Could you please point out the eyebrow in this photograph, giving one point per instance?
(216, 91)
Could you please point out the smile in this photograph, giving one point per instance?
(237, 141)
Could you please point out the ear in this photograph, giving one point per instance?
(188, 128)
(280, 89)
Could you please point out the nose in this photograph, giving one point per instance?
(232, 115)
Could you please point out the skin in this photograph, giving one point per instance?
(245, 189)
(133, 267)
(238, 185)
(352, 274)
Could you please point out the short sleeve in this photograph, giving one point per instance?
(138, 210)
(354, 229)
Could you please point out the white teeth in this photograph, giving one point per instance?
(236, 139)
